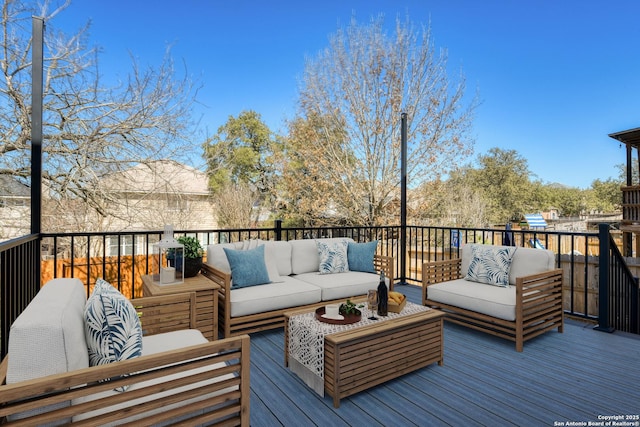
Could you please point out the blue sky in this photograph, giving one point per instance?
(554, 77)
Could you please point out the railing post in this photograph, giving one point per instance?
(603, 284)
(403, 199)
(278, 229)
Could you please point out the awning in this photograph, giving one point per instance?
(535, 221)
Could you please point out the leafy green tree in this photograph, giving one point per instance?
(503, 178)
(241, 152)
(569, 201)
(605, 196)
(352, 97)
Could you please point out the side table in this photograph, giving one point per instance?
(206, 300)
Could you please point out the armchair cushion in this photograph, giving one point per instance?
(53, 320)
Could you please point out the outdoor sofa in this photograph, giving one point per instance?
(180, 376)
(513, 293)
(295, 281)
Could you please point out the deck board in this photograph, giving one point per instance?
(574, 376)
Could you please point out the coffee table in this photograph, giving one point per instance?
(365, 356)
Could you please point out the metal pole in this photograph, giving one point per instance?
(403, 198)
(36, 124)
(603, 286)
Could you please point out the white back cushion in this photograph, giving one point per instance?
(304, 254)
(525, 261)
(48, 337)
(280, 251)
(218, 259)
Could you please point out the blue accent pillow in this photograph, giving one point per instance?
(247, 267)
(360, 256)
(333, 256)
(112, 327)
(490, 265)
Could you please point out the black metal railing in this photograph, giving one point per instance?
(124, 257)
(618, 293)
(19, 281)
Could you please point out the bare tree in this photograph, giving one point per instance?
(89, 129)
(353, 94)
(235, 203)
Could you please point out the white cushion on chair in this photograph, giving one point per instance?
(496, 301)
(53, 320)
(527, 261)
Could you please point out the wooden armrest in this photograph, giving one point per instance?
(387, 264)
(217, 276)
(536, 287)
(222, 364)
(3, 370)
(166, 313)
(440, 271)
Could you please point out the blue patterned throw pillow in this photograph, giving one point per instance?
(490, 265)
(248, 267)
(360, 256)
(333, 256)
(112, 326)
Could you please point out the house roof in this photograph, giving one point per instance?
(11, 187)
(631, 136)
(161, 176)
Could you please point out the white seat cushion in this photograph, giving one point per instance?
(491, 300)
(273, 296)
(342, 285)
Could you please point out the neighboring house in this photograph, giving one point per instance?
(150, 195)
(14, 208)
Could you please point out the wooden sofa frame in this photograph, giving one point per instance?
(233, 326)
(158, 314)
(538, 303)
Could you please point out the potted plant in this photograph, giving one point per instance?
(193, 252)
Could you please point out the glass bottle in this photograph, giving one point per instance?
(383, 296)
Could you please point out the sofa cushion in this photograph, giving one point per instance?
(153, 344)
(491, 300)
(360, 256)
(342, 285)
(112, 327)
(304, 254)
(527, 261)
(280, 251)
(273, 296)
(248, 267)
(53, 320)
(490, 264)
(333, 256)
(217, 258)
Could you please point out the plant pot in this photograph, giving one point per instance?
(192, 266)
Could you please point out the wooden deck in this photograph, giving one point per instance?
(576, 376)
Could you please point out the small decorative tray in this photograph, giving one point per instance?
(348, 318)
